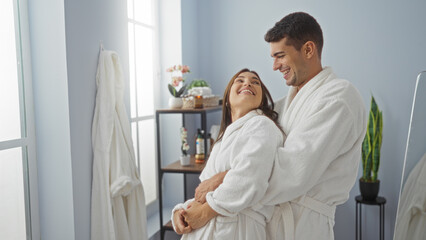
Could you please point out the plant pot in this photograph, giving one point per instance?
(369, 190)
(175, 102)
(185, 160)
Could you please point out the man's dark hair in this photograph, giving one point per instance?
(297, 28)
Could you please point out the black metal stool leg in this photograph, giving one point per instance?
(382, 222)
(381, 201)
(356, 222)
(360, 224)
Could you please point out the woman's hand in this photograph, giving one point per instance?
(181, 226)
(197, 215)
(208, 185)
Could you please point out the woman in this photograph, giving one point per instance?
(248, 139)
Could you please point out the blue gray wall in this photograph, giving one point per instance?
(54, 163)
(86, 24)
(65, 37)
(375, 45)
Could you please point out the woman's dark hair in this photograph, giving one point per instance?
(266, 105)
(297, 28)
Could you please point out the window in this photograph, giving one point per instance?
(143, 65)
(19, 215)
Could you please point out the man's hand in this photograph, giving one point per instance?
(208, 185)
(181, 226)
(198, 214)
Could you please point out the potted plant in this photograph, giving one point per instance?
(185, 158)
(198, 83)
(368, 183)
(176, 87)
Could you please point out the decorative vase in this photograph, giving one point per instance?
(369, 190)
(185, 160)
(175, 102)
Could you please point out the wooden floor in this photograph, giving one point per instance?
(169, 235)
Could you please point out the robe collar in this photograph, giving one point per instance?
(295, 100)
(236, 125)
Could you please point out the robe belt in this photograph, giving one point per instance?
(254, 215)
(317, 206)
(288, 217)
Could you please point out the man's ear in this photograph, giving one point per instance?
(309, 49)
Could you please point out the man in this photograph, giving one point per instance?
(324, 119)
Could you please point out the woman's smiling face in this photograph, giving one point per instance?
(246, 92)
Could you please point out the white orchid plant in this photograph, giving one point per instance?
(185, 145)
(177, 72)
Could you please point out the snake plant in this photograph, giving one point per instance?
(372, 144)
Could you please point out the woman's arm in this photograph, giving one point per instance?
(253, 152)
(245, 183)
(208, 185)
(198, 215)
(178, 223)
(180, 226)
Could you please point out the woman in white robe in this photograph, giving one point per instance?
(246, 148)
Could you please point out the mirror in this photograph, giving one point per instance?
(411, 214)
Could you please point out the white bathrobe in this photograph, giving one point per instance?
(325, 124)
(118, 202)
(247, 150)
(411, 221)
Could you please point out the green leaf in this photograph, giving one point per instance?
(366, 150)
(372, 143)
(181, 90)
(172, 90)
(376, 158)
(380, 128)
(367, 160)
(371, 127)
(374, 107)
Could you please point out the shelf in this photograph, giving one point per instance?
(190, 110)
(192, 168)
(175, 167)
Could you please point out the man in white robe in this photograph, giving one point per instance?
(325, 121)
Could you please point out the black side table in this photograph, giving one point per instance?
(380, 201)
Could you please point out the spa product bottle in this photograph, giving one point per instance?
(199, 149)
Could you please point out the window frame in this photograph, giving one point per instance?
(152, 207)
(27, 141)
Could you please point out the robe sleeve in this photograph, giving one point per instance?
(253, 152)
(329, 130)
(209, 170)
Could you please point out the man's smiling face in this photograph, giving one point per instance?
(290, 62)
